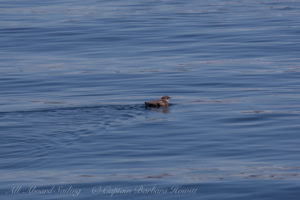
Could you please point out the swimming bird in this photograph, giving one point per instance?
(163, 102)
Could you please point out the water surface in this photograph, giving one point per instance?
(74, 76)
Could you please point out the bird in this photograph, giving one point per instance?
(163, 102)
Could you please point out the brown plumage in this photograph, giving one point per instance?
(163, 102)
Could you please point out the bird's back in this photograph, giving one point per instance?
(156, 103)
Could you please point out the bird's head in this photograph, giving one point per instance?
(165, 98)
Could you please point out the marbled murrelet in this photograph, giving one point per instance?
(163, 102)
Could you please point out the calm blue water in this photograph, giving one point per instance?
(74, 76)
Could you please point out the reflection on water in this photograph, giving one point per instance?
(161, 109)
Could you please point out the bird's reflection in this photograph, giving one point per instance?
(161, 109)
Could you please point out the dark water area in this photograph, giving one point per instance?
(74, 76)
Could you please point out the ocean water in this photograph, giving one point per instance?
(74, 76)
